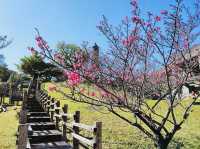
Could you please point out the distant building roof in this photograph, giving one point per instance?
(194, 51)
(188, 55)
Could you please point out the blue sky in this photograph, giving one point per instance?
(72, 21)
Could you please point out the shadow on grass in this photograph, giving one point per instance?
(185, 143)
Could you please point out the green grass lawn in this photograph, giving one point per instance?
(117, 134)
(8, 128)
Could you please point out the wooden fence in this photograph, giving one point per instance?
(61, 116)
(22, 139)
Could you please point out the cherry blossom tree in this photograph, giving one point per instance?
(147, 56)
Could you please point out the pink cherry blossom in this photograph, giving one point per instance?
(73, 78)
(42, 44)
(130, 40)
(65, 73)
(157, 29)
(93, 94)
(32, 50)
(149, 35)
(164, 12)
(186, 44)
(136, 19)
(103, 94)
(59, 58)
(148, 24)
(76, 65)
(134, 2)
(38, 38)
(158, 18)
(52, 88)
(82, 90)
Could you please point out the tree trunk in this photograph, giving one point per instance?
(1, 100)
(162, 143)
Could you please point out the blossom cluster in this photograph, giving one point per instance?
(73, 78)
(42, 44)
(58, 57)
(52, 88)
(32, 50)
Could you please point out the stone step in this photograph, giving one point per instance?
(38, 119)
(51, 145)
(36, 110)
(31, 94)
(34, 106)
(42, 126)
(31, 99)
(38, 114)
(45, 136)
(33, 102)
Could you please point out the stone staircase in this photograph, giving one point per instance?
(42, 133)
(39, 127)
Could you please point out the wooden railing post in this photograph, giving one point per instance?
(23, 112)
(36, 94)
(64, 117)
(38, 85)
(57, 111)
(76, 129)
(41, 97)
(52, 108)
(23, 117)
(43, 101)
(23, 135)
(98, 134)
(25, 100)
(48, 103)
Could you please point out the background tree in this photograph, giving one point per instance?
(68, 52)
(145, 56)
(4, 73)
(35, 66)
(4, 42)
(16, 80)
(30, 65)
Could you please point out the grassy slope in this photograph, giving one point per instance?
(8, 128)
(117, 131)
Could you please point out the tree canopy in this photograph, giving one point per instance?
(4, 73)
(35, 66)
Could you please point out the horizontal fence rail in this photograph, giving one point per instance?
(61, 116)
